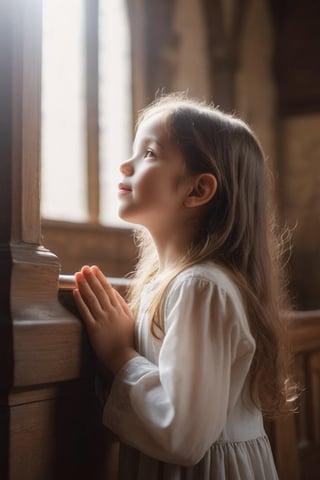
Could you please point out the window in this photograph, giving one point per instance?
(65, 121)
(114, 102)
(63, 112)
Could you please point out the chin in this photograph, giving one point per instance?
(126, 216)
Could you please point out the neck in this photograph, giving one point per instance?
(171, 247)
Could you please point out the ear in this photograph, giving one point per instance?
(203, 189)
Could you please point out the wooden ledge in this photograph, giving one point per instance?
(67, 282)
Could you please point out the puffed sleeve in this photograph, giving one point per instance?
(175, 411)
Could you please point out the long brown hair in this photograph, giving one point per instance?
(237, 231)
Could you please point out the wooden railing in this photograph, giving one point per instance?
(67, 282)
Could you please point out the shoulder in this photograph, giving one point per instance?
(207, 289)
(208, 274)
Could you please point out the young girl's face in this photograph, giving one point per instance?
(154, 180)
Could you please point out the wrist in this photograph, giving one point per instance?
(118, 358)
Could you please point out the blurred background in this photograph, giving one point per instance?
(104, 60)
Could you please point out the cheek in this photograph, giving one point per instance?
(155, 186)
(150, 189)
(159, 192)
(148, 184)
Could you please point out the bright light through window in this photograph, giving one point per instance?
(114, 102)
(64, 194)
(64, 183)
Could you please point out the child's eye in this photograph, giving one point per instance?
(149, 153)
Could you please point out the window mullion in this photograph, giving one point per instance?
(92, 108)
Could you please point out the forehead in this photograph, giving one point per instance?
(153, 128)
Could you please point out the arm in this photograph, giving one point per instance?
(107, 318)
(176, 410)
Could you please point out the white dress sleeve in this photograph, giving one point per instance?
(175, 411)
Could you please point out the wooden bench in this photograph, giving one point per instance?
(296, 439)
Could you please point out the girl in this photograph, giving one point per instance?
(198, 352)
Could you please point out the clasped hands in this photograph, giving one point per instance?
(107, 318)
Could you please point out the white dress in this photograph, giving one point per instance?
(182, 409)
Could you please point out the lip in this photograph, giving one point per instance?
(123, 188)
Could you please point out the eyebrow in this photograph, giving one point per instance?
(148, 140)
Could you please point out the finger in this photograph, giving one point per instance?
(88, 296)
(105, 284)
(82, 308)
(97, 288)
(122, 302)
(80, 271)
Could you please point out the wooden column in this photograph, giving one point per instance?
(48, 414)
(29, 272)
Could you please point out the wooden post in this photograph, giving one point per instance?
(47, 411)
(29, 273)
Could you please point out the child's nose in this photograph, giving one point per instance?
(126, 168)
